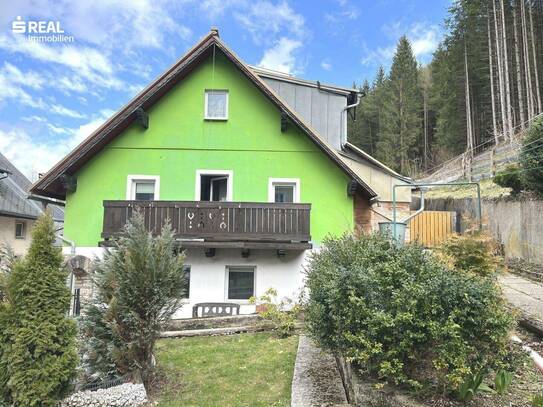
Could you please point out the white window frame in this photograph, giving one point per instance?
(272, 182)
(131, 185)
(249, 269)
(187, 299)
(206, 93)
(229, 182)
(24, 223)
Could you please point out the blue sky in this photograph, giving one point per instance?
(53, 95)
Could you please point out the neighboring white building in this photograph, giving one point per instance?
(18, 213)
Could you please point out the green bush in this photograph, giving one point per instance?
(281, 314)
(473, 253)
(40, 354)
(401, 315)
(531, 156)
(139, 285)
(510, 177)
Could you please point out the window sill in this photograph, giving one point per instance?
(215, 119)
(241, 302)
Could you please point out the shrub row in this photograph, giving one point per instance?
(402, 316)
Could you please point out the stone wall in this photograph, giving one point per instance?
(516, 224)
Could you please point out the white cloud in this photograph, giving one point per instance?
(378, 56)
(326, 65)
(424, 40)
(32, 157)
(14, 75)
(64, 111)
(281, 57)
(265, 20)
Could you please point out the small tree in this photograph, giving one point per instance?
(531, 156)
(40, 355)
(140, 285)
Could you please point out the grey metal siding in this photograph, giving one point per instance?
(320, 109)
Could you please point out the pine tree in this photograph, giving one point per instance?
(41, 357)
(401, 122)
(140, 285)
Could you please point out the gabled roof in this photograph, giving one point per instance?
(355, 153)
(50, 184)
(14, 195)
(284, 77)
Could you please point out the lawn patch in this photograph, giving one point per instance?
(236, 370)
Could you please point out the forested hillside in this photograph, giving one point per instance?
(484, 83)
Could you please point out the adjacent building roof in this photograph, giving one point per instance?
(14, 195)
(51, 183)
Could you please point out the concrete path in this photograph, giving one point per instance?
(316, 380)
(526, 295)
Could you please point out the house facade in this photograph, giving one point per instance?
(232, 156)
(18, 213)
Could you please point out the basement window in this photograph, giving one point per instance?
(20, 229)
(216, 105)
(240, 282)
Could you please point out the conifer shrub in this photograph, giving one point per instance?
(39, 341)
(531, 157)
(472, 253)
(139, 284)
(401, 316)
(510, 177)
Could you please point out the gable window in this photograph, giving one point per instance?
(216, 104)
(20, 229)
(240, 282)
(213, 185)
(284, 190)
(142, 187)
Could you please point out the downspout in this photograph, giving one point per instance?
(421, 209)
(343, 120)
(72, 252)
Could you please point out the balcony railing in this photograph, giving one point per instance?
(215, 221)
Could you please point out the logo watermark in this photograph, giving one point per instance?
(40, 31)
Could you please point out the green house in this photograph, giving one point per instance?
(251, 167)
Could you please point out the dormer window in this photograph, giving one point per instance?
(216, 104)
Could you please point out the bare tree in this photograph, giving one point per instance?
(509, 131)
(491, 67)
(501, 88)
(538, 95)
(469, 126)
(522, 112)
(527, 70)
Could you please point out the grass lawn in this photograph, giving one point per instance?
(236, 370)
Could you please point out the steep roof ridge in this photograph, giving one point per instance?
(212, 38)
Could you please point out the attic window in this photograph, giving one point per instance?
(216, 105)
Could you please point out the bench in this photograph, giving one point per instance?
(214, 309)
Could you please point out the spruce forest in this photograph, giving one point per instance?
(483, 86)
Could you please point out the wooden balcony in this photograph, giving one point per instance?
(218, 224)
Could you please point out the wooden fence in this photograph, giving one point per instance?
(430, 228)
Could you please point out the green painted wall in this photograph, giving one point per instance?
(179, 141)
